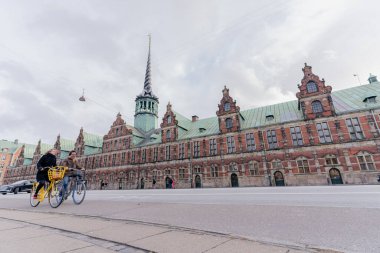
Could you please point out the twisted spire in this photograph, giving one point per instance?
(148, 80)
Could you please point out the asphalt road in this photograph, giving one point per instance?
(345, 218)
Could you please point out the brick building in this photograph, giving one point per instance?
(321, 138)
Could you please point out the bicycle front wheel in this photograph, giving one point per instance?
(34, 202)
(79, 192)
(56, 194)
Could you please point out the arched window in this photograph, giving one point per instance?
(168, 135)
(227, 107)
(365, 161)
(317, 106)
(311, 87)
(169, 119)
(228, 123)
(131, 175)
(214, 171)
(303, 165)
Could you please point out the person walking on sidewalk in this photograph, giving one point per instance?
(47, 161)
(74, 168)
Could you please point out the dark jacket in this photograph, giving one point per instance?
(47, 160)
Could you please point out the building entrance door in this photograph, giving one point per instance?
(279, 178)
(234, 180)
(335, 176)
(168, 182)
(142, 183)
(198, 181)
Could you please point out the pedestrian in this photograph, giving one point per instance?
(47, 161)
(173, 184)
(154, 183)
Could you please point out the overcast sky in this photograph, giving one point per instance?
(51, 50)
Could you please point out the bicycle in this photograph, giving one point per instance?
(52, 190)
(76, 188)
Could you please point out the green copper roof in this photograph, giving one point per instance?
(67, 145)
(93, 140)
(29, 151)
(10, 145)
(345, 101)
(92, 150)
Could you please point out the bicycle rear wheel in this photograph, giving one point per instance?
(79, 192)
(34, 202)
(56, 194)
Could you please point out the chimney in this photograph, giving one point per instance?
(194, 118)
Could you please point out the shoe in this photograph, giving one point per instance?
(35, 196)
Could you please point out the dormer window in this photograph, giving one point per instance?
(269, 117)
(169, 119)
(227, 107)
(311, 87)
(228, 123)
(201, 129)
(370, 100)
(317, 106)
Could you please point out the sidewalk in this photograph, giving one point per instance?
(33, 232)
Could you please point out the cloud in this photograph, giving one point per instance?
(52, 51)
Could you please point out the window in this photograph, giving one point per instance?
(196, 149)
(214, 171)
(155, 154)
(154, 174)
(167, 152)
(311, 87)
(169, 119)
(324, 132)
(354, 129)
(272, 139)
(167, 172)
(369, 100)
(316, 106)
(181, 151)
(131, 175)
(144, 155)
(303, 165)
(168, 135)
(113, 159)
(331, 160)
(233, 167)
(123, 158)
(365, 161)
(227, 107)
(230, 144)
(296, 136)
(181, 173)
(250, 139)
(277, 164)
(197, 170)
(253, 168)
(228, 123)
(213, 147)
(104, 161)
(133, 156)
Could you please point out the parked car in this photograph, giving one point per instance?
(16, 187)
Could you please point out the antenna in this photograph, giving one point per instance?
(357, 76)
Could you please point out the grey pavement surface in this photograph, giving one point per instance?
(27, 231)
(342, 218)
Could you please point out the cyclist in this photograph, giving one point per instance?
(74, 169)
(46, 161)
